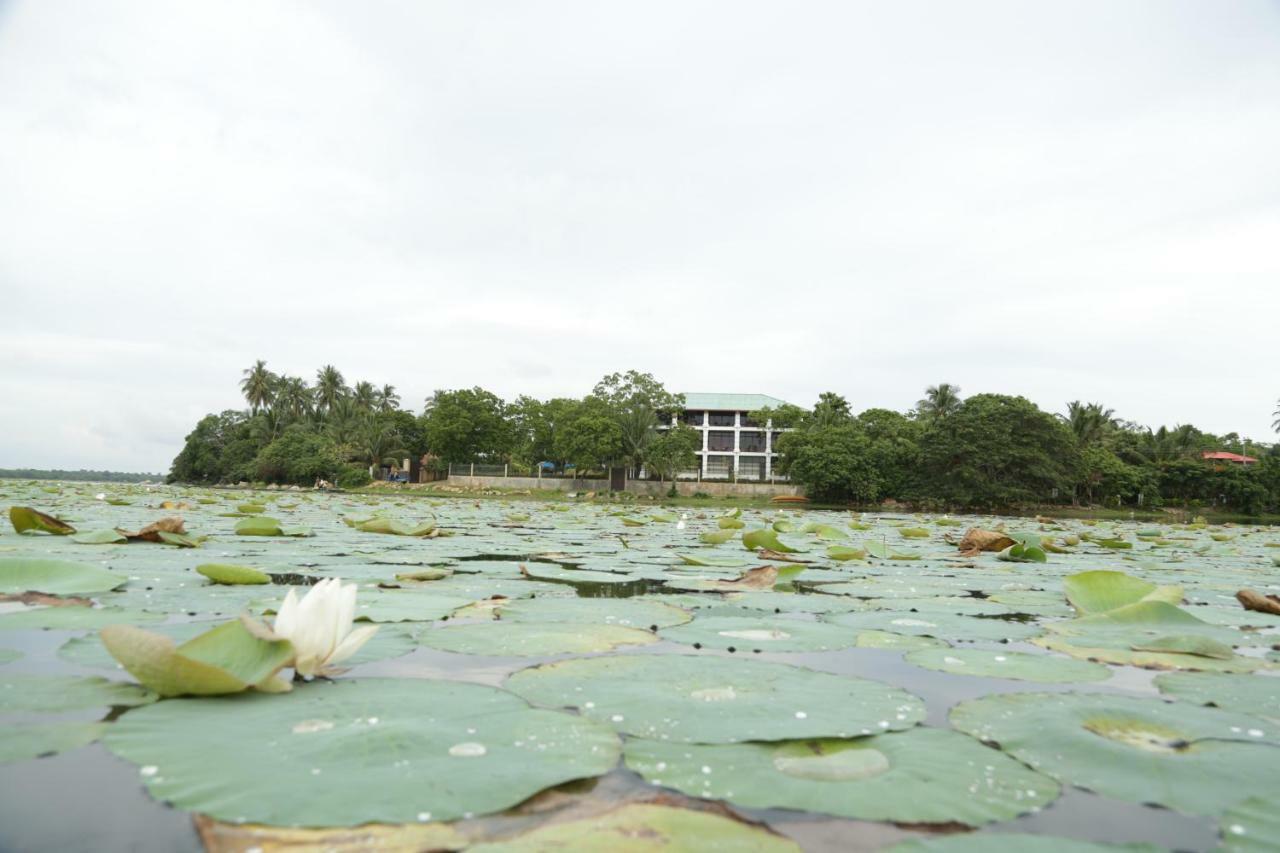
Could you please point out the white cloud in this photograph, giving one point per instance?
(1072, 201)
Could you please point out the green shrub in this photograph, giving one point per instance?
(352, 477)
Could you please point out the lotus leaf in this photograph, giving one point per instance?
(55, 577)
(533, 639)
(67, 693)
(645, 828)
(25, 519)
(21, 742)
(1194, 760)
(760, 632)
(1252, 826)
(229, 574)
(1016, 665)
(1242, 693)
(706, 699)
(359, 751)
(917, 776)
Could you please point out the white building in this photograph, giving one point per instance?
(733, 446)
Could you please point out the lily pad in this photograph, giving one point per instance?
(766, 538)
(645, 828)
(1246, 694)
(974, 842)
(1101, 591)
(767, 634)
(67, 693)
(358, 751)
(917, 776)
(627, 612)
(56, 577)
(229, 574)
(705, 699)
(26, 519)
(533, 639)
(1194, 760)
(74, 618)
(106, 536)
(1019, 666)
(944, 626)
(21, 742)
(1252, 826)
(226, 659)
(258, 525)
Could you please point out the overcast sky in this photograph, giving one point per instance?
(1065, 201)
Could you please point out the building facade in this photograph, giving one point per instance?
(734, 447)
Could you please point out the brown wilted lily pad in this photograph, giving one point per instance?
(977, 540)
(1253, 600)
(151, 533)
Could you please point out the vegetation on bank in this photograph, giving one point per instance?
(989, 451)
(82, 475)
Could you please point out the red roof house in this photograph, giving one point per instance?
(1224, 456)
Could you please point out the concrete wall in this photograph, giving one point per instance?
(640, 487)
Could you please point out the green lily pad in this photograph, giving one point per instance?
(766, 538)
(358, 751)
(22, 742)
(1246, 694)
(533, 639)
(106, 536)
(917, 776)
(229, 574)
(67, 693)
(975, 842)
(226, 659)
(767, 634)
(74, 618)
(1252, 826)
(1019, 666)
(844, 553)
(901, 642)
(627, 612)
(717, 537)
(1194, 760)
(258, 525)
(945, 626)
(55, 577)
(722, 562)
(645, 828)
(1101, 591)
(706, 699)
(26, 519)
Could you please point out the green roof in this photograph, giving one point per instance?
(731, 402)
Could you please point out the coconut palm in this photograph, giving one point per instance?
(386, 398)
(258, 386)
(343, 421)
(365, 395)
(376, 441)
(293, 397)
(330, 386)
(1090, 422)
(939, 401)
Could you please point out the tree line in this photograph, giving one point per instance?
(298, 432)
(81, 475)
(984, 451)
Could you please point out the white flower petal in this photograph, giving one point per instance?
(352, 643)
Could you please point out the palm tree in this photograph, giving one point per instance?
(939, 401)
(377, 441)
(386, 398)
(365, 395)
(1090, 422)
(293, 397)
(639, 428)
(258, 386)
(329, 387)
(1275, 425)
(343, 421)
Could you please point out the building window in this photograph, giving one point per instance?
(776, 436)
(748, 421)
(750, 468)
(723, 419)
(693, 418)
(718, 467)
(720, 441)
(751, 442)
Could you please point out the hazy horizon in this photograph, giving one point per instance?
(1058, 201)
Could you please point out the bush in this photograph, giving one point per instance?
(352, 477)
(299, 456)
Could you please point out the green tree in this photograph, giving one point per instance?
(589, 437)
(377, 441)
(834, 463)
(998, 451)
(467, 425)
(939, 401)
(831, 410)
(894, 448)
(258, 386)
(299, 456)
(674, 450)
(386, 399)
(330, 387)
(637, 401)
(1090, 422)
(293, 398)
(365, 396)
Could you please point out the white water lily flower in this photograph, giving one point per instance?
(319, 626)
(680, 525)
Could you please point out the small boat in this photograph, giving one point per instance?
(789, 499)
